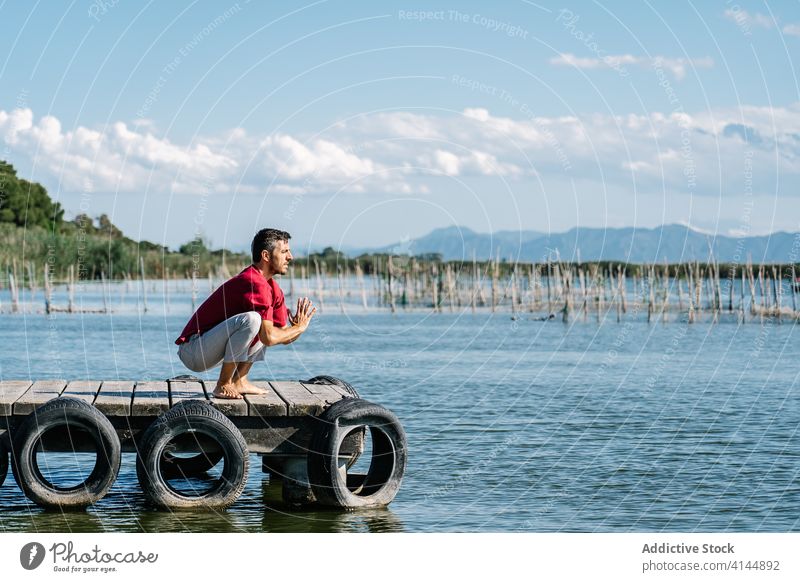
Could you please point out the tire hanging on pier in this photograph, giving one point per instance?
(333, 380)
(193, 419)
(58, 421)
(328, 476)
(175, 466)
(355, 440)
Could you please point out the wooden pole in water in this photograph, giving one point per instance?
(450, 285)
(651, 297)
(689, 291)
(71, 290)
(406, 288)
(14, 285)
(731, 279)
(47, 290)
(776, 293)
(549, 291)
(144, 290)
(665, 306)
(794, 282)
(514, 292)
(696, 286)
(435, 286)
(597, 285)
(389, 284)
(751, 280)
(31, 279)
(341, 287)
(475, 282)
(741, 299)
(495, 268)
(360, 277)
(103, 288)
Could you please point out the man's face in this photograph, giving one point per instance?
(281, 257)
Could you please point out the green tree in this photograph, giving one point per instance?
(85, 223)
(107, 228)
(196, 246)
(26, 203)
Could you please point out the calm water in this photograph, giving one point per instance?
(512, 425)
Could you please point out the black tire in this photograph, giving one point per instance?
(195, 417)
(331, 380)
(3, 462)
(356, 439)
(176, 466)
(65, 414)
(334, 487)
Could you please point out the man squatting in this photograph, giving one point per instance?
(243, 317)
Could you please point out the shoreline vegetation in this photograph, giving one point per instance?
(39, 249)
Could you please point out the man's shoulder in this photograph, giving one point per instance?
(276, 289)
(254, 280)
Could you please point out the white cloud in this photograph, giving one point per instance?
(792, 29)
(406, 153)
(447, 162)
(676, 65)
(322, 160)
(744, 18)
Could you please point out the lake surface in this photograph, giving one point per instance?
(512, 425)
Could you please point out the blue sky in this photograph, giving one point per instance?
(365, 123)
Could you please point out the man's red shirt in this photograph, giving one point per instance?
(247, 291)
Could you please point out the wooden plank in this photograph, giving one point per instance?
(329, 393)
(82, 390)
(298, 399)
(269, 404)
(341, 390)
(114, 398)
(185, 390)
(150, 398)
(40, 392)
(10, 391)
(229, 406)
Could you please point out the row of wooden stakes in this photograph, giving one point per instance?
(552, 288)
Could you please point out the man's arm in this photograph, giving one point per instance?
(271, 335)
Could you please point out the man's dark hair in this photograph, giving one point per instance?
(265, 240)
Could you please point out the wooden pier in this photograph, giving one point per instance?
(178, 430)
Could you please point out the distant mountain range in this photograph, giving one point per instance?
(673, 242)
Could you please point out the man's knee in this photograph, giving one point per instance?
(252, 320)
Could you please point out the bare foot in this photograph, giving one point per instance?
(244, 386)
(226, 391)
